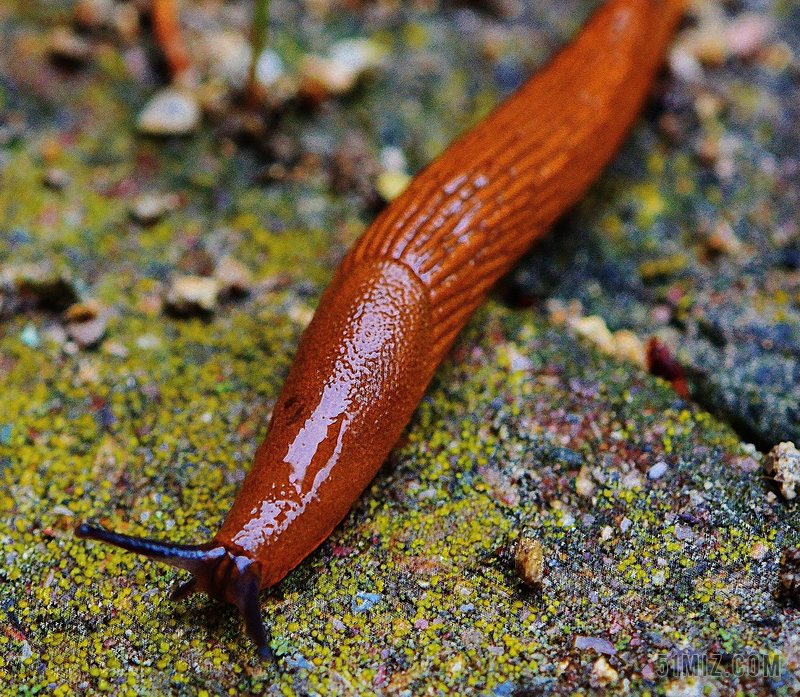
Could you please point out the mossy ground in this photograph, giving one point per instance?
(414, 593)
(414, 589)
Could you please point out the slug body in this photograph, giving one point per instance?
(403, 292)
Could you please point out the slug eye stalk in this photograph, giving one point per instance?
(215, 571)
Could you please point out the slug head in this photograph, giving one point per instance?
(215, 570)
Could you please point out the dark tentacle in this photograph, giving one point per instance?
(250, 609)
(189, 557)
(221, 573)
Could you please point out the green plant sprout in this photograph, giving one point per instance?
(258, 40)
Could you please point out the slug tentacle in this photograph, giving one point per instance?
(187, 557)
(250, 609)
(216, 570)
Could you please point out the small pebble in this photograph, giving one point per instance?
(393, 159)
(632, 480)
(363, 601)
(67, 46)
(56, 178)
(51, 290)
(758, 551)
(169, 112)
(269, 68)
(192, 295)
(603, 674)
(658, 470)
(661, 314)
(321, 78)
(234, 277)
(30, 336)
(560, 311)
(114, 348)
(150, 208)
(528, 561)
(584, 485)
(782, 463)
(148, 341)
(229, 57)
(583, 643)
(391, 184)
(723, 239)
(684, 65)
(357, 55)
(747, 33)
(338, 73)
(56, 333)
(86, 323)
(628, 347)
(300, 314)
(595, 330)
(516, 359)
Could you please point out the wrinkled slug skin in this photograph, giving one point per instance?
(409, 284)
(404, 291)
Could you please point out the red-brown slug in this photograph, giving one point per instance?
(403, 292)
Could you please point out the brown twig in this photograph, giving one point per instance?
(167, 30)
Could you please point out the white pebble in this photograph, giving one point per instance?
(189, 294)
(357, 55)
(393, 159)
(169, 112)
(684, 65)
(149, 208)
(229, 54)
(748, 33)
(338, 73)
(269, 68)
